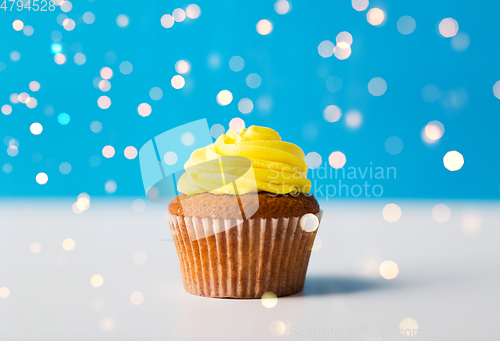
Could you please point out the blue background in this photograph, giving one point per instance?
(293, 77)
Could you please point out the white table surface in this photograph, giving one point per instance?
(448, 280)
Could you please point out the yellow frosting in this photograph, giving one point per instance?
(223, 167)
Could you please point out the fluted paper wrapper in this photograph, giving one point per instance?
(242, 259)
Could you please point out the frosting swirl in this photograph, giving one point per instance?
(253, 160)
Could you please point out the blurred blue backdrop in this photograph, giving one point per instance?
(429, 78)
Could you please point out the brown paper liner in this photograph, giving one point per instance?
(242, 259)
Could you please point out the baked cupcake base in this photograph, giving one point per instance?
(245, 260)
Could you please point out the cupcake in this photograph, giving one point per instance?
(244, 223)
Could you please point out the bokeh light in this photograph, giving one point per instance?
(377, 86)
(375, 16)
(394, 145)
(68, 244)
(269, 299)
(15, 56)
(216, 130)
(460, 42)
(23, 97)
(14, 98)
(137, 298)
(144, 109)
(193, 11)
(496, 90)
(337, 160)
(170, 158)
(360, 5)
(65, 5)
(408, 327)
(56, 48)
(441, 213)
(12, 151)
(41, 178)
(406, 25)
(453, 160)
(4, 292)
(17, 25)
(35, 247)
(69, 24)
(60, 59)
(281, 7)
(224, 97)
(253, 80)
(326, 48)
(36, 128)
(6, 109)
(182, 66)
(236, 63)
(34, 86)
(264, 103)
(63, 118)
(110, 186)
(7, 168)
(448, 27)
(130, 152)
(88, 18)
(313, 160)
(126, 67)
(434, 130)
(140, 257)
(431, 93)
(344, 39)
(65, 168)
(177, 82)
(97, 281)
(104, 102)
(108, 152)
(277, 328)
(214, 60)
(187, 138)
(332, 113)
(353, 119)
(471, 223)
(106, 73)
(104, 85)
(236, 124)
(61, 17)
(179, 14)
(309, 222)
(156, 93)
(28, 30)
(167, 21)
(388, 269)
(122, 20)
(106, 324)
(391, 213)
(245, 105)
(342, 51)
(264, 27)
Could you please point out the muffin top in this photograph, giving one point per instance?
(207, 205)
